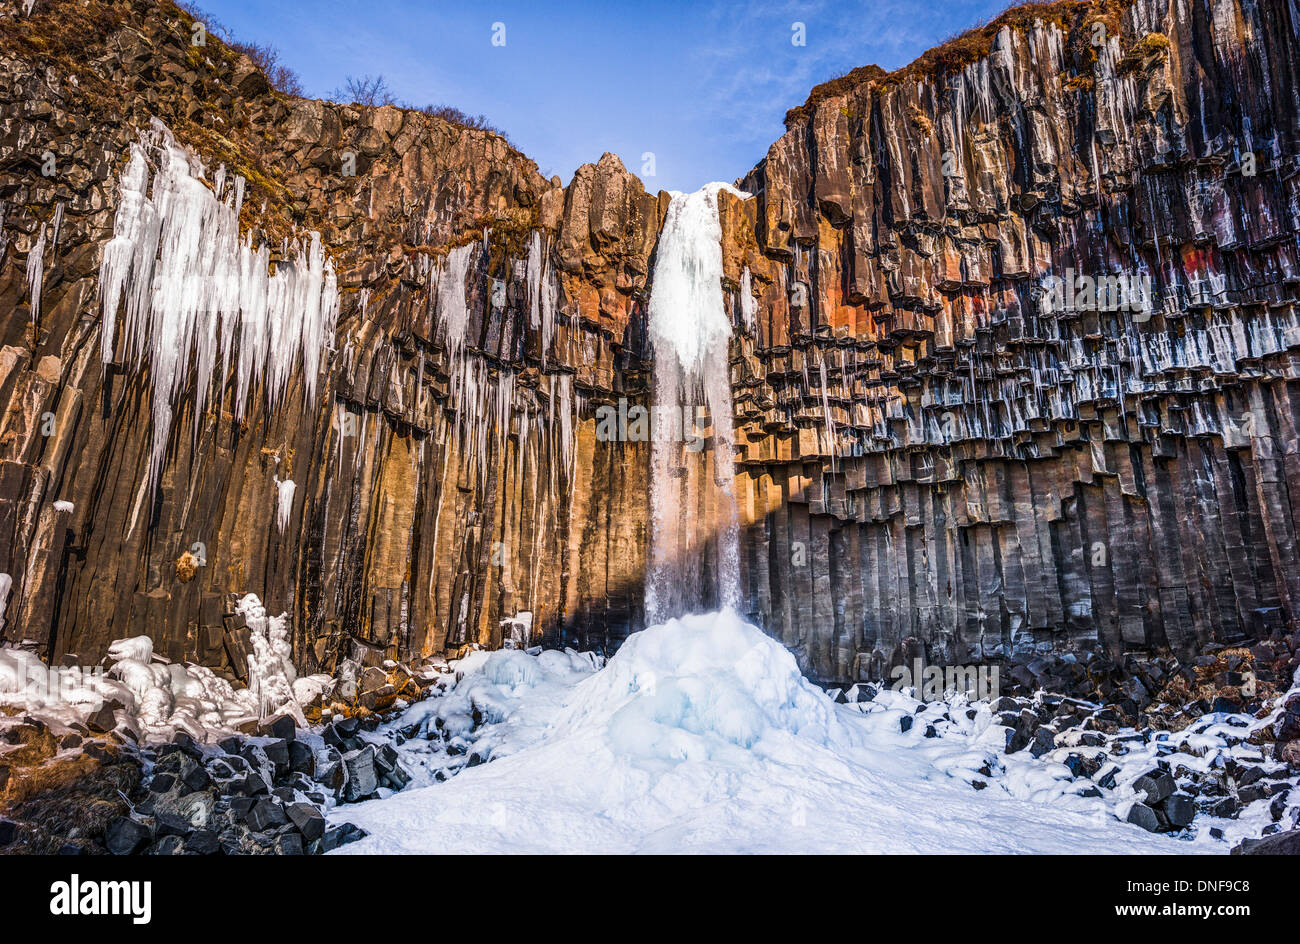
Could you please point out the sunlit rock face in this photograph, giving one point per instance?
(373, 402)
(965, 459)
(1012, 354)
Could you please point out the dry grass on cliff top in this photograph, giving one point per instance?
(1072, 16)
(61, 34)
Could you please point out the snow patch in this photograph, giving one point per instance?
(270, 666)
(700, 735)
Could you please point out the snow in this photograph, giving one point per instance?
(700, 735)
(271, 674)
(161, 697)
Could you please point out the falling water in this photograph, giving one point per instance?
(694, 556)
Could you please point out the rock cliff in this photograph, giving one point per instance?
(935, 440)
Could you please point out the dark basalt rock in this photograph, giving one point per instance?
(1177, 811)
(1144, 816)
(126, 836)
(362, 780)
(1287, 843)
(265, 814)
(1156, 785)
(307, 819)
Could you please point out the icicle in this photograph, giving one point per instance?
(36, 274)
(453, 312)
(284, 502)
(193, 291)
(505, 395)
(748, 308)
(566, 425)
(826, 413)
(542, 292)
(57, 226)
(6, 585)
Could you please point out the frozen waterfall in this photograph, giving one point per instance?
(694, 554)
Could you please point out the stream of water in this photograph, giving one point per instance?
(694, 555)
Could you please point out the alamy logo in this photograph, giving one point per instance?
(636, 423)
(75, 897)
(1122, 292)
(933, 682)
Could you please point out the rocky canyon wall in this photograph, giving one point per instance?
(441, 475)
(928, 446)
(937, 447)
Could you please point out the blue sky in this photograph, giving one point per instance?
(703, 86)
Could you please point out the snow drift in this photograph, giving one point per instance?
(700, 735)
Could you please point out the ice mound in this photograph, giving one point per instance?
(699, 735)
(673, 688)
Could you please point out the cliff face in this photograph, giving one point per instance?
(967, 460)
(929, 445)
(416, 520)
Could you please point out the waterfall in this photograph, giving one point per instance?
(694, 544)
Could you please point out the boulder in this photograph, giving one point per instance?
(307, 819)
(125, 836)
(1142, 815)
(1156, 785)
(1287, 843)
(362, 780)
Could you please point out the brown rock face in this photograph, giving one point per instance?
(936, 447)
(441, 484)
(933, 442)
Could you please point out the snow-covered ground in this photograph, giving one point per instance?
(701, 735)
(159, 698)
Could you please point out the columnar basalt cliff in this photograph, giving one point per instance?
(966, 460)
(929, 444)
(442, 479)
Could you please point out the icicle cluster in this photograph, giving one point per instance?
(485, 406)
(198, 300)
(542, 291)
(271, 674)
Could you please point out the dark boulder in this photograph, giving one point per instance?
(1287, 843)
(125, 836)
(1144, 816)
